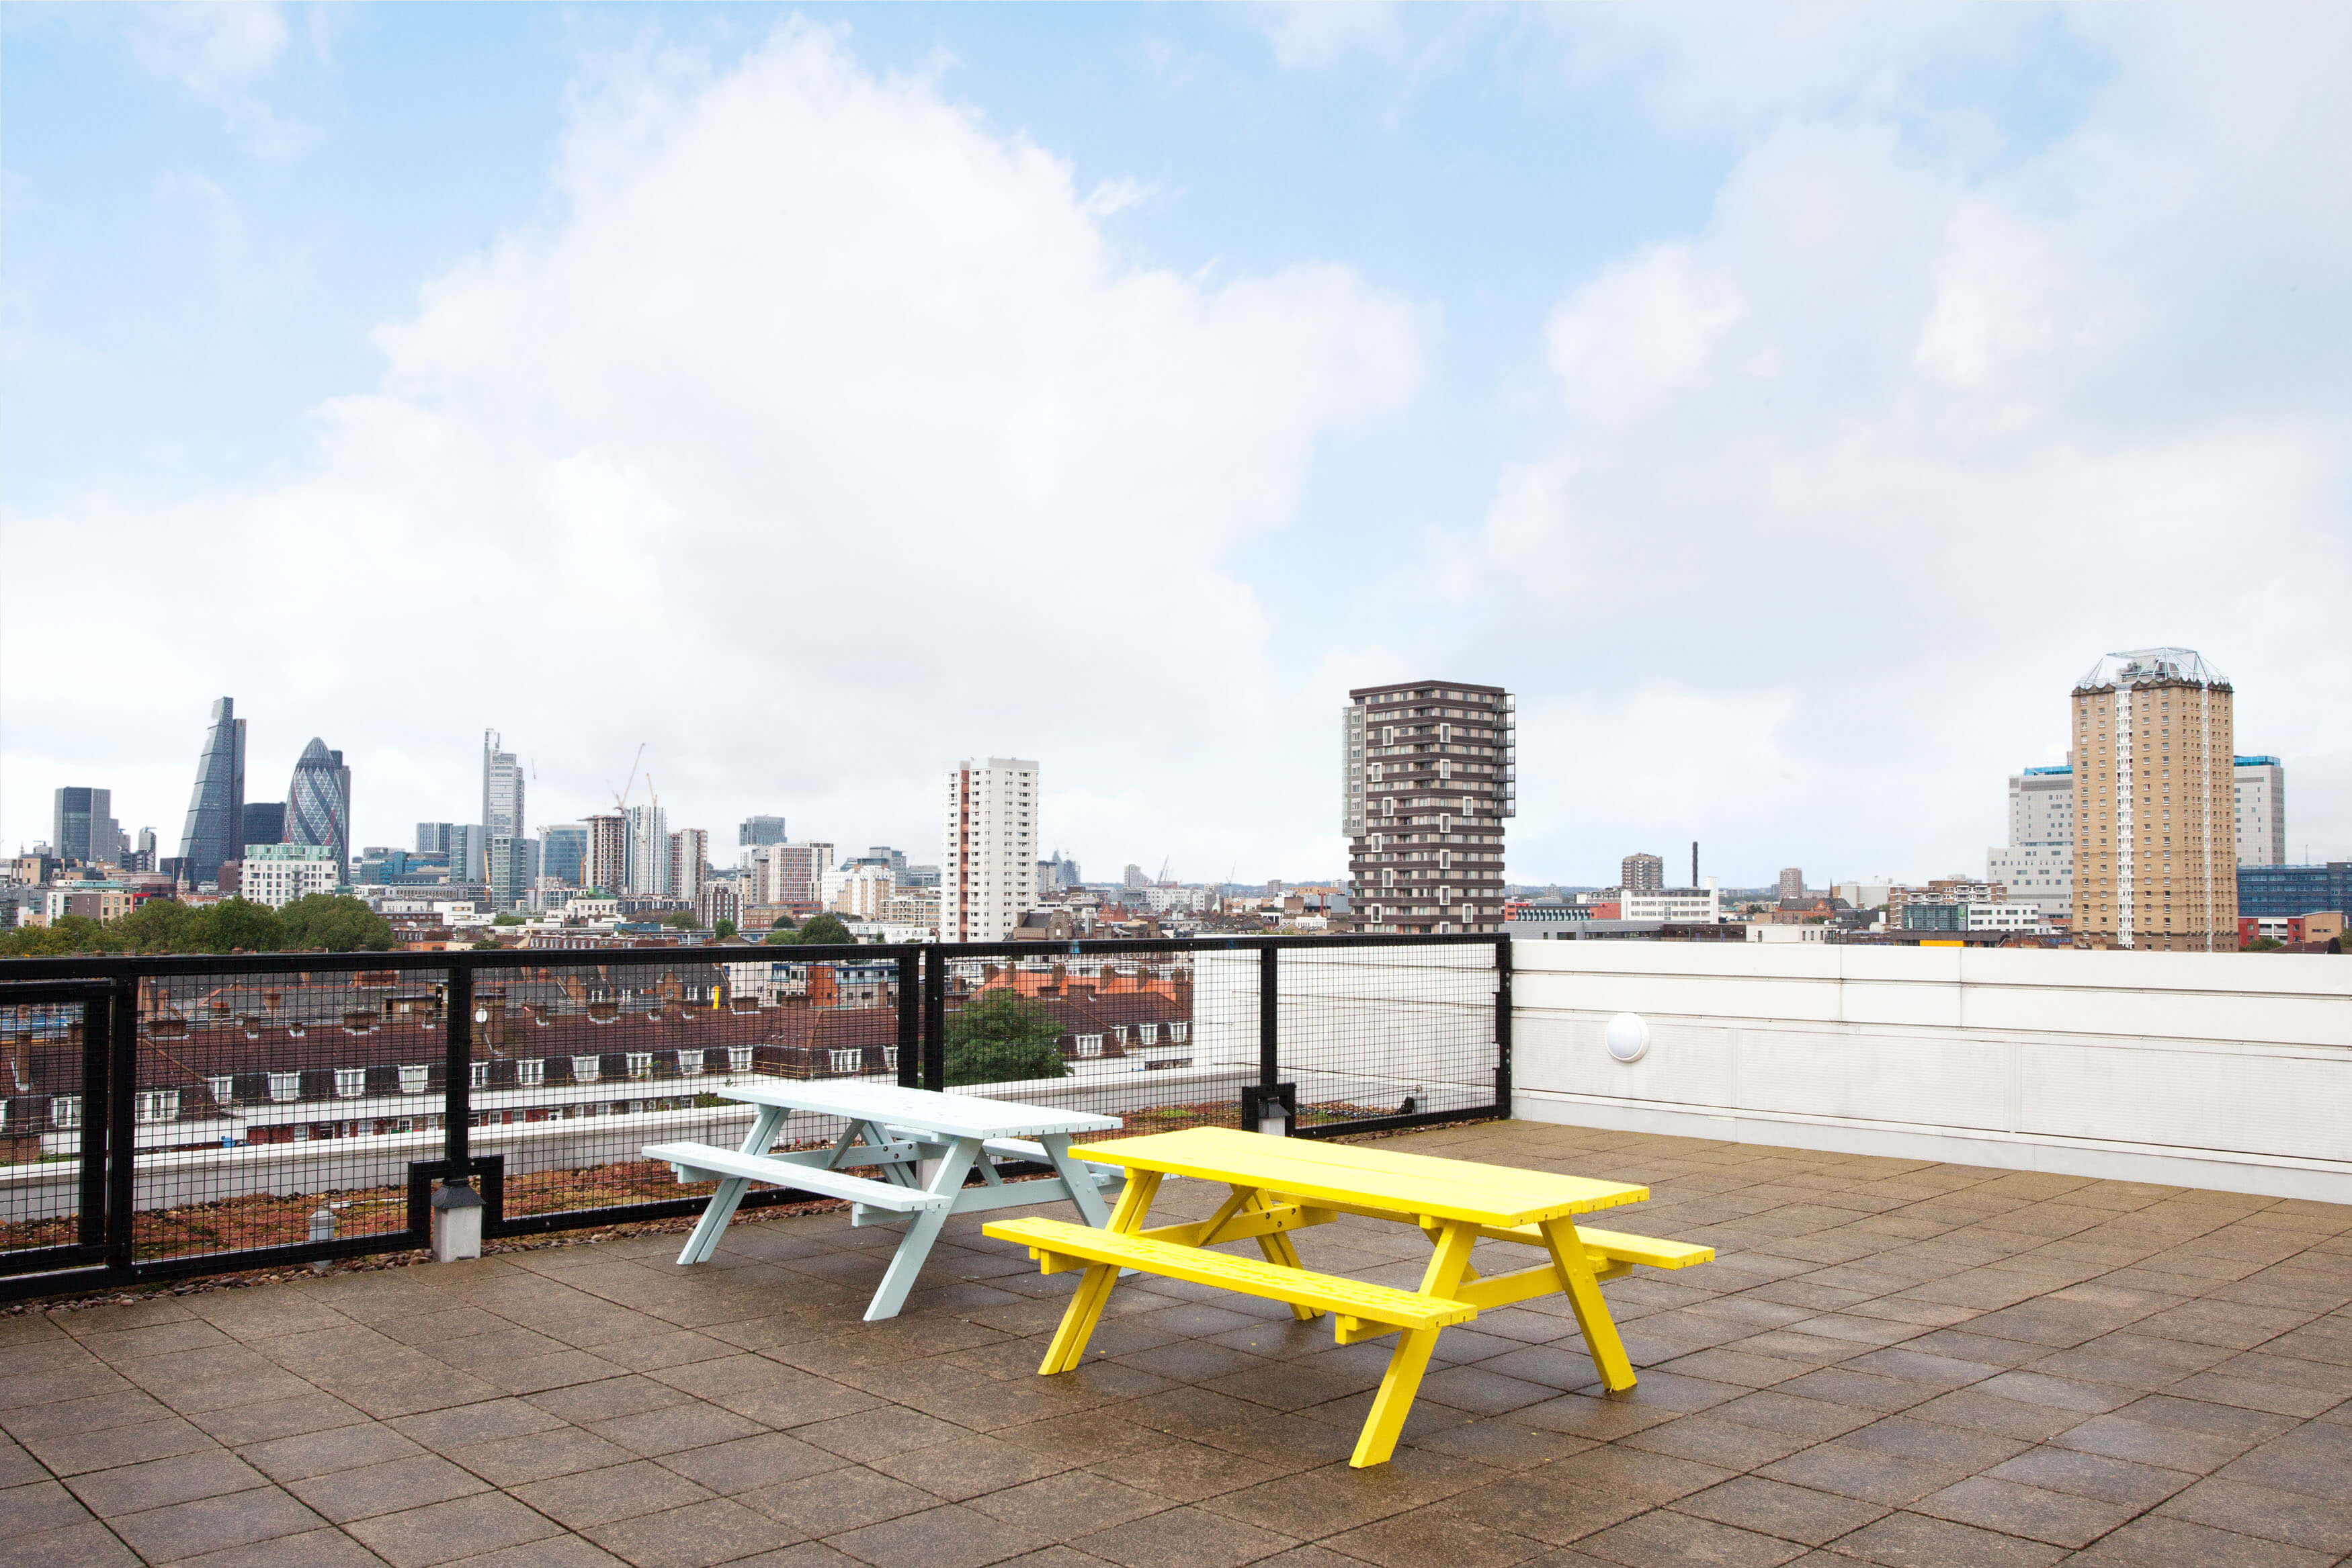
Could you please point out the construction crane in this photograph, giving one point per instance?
(1161, 879)
(621, 800)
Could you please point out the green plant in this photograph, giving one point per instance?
(722, 927)
(1001, 1038)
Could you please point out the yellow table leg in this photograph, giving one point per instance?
(1086, 1307)
(1393, 1402)
(1591, 1307)
(1278, 1248)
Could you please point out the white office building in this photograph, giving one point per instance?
(2037, 865)
(2012, 917)
(278, 875)
(1700, 905)
(859, 892)
(645, 843)
(988, 876)
(690, 856)
(2261, 788)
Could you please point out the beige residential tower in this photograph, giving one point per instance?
(2155, 848)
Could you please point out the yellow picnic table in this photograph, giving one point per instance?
(1279, 1184)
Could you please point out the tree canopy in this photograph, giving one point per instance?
(326, 922)
(722, 927)
(336, 923)
(825, 931)
(1002, 1038)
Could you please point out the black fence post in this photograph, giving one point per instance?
(121, 1098)
(935, 1019)
(97, 1049)
(1503, 1027)
(1269, 1106)
(1269, 1019)
(910, 1017)
(457, 1073)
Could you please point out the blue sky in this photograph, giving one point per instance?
(821, 395)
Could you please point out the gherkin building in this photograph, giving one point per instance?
(319, 801)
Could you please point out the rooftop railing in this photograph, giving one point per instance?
(185, 1114)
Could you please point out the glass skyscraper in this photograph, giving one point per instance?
(513, 868)
(84, 830)
(264, 823)
(502, 792)
(319, 803)
(563, 853)
(215, 826)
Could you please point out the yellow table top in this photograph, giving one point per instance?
(1390, 1181)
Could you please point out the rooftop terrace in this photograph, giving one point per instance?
(1894, 1361)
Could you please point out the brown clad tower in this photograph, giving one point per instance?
(1428, 770)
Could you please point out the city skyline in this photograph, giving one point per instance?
(503, 784)
(1860, 364)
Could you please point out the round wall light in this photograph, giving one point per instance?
(1627, 1036)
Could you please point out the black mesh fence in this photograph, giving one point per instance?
(183, 1115)
(577, 1068)
(53, 1125)
(273, 1107)
(1162, 1035)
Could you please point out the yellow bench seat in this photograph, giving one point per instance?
(1057, 1244)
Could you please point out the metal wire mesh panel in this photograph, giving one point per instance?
(50, 1160)
(1369, 1032)
(281, 1107)
(1162, 1039)
(220, 1109)
(577, 1066)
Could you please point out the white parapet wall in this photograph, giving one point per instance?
(2224, 1071)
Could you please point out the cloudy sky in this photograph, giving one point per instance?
(1788, 407)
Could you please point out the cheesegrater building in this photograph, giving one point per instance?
(1428, 771)
(2155, 847)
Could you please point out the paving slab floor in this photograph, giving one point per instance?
(1892, 1362)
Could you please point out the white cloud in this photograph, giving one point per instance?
(824, 439)
(1906, 443)
(221, 52)
(1309, 34)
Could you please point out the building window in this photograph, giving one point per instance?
(285, 1086)
(530, 1074)
(640, 1063)
(480, 1076)
(64, 1112)
(587, 1069)
(350, 1083)
(739, 1058)
(846, 1061)
(223, 1090)
(1147, 1034)
(689, 1064)
(158, 1104)
(1089, 1044)
(1178, 1031)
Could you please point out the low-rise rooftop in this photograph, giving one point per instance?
(1893, 1362)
